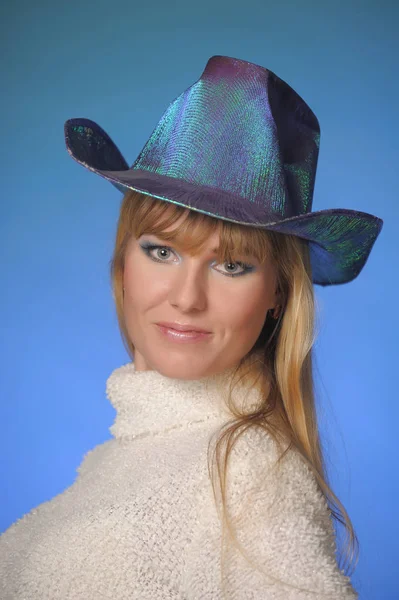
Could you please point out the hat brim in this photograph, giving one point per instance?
(340, 240)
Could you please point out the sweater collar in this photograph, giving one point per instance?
(148, 402)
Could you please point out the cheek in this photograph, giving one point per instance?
(141, 287)
(247, 313)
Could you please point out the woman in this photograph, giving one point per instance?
(213, 485)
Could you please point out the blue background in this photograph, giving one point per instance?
(121, 63)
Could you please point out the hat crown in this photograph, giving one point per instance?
(241, 130)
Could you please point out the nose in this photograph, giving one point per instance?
(188, 288)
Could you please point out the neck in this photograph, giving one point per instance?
(148, 402)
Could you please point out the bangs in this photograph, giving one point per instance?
(147, 215)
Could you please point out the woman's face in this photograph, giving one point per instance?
(166, 285)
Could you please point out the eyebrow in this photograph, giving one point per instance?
(163, 240)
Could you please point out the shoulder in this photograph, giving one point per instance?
(268, 480)
(94, 458)
(281, 516)
(256, 454)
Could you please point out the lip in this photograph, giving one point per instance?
(183, 327)
(174, 335)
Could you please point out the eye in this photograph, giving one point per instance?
(243, 266)
(148, 249)
(159, 249)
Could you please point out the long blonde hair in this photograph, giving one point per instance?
(284, 346)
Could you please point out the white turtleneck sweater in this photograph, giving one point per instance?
(140, 522)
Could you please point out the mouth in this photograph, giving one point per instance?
(183, 335)
(183, 327)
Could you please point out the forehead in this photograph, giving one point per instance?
(183, 232)
(211, 243)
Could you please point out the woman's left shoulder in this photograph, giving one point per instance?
(283, 517)
(262, 465)
(257, 448)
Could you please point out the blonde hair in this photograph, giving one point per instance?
(284, 346)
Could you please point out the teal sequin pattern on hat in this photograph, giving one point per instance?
(227, 133)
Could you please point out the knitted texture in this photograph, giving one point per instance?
(140, 521)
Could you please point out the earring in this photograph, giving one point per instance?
(273, 312)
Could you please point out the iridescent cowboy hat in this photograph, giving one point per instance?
(240, 145)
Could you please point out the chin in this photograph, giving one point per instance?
(187, 371)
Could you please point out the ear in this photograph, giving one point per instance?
(278, 299)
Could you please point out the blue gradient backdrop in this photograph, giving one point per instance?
(121, 64)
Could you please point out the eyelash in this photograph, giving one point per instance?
(148, 247)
